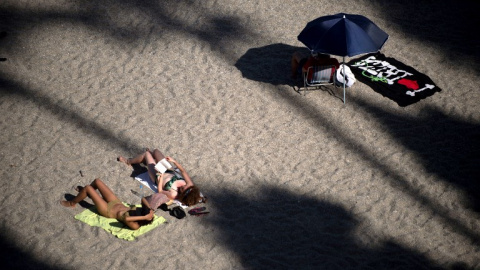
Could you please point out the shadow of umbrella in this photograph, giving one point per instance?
(269, 64)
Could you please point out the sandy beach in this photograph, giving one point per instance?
(293, 181)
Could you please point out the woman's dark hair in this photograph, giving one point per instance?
(191, 196)
(144, 211)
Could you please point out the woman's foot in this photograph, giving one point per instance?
(123, 160)
(68, 204)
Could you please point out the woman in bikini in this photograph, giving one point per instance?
(108, 205)
(175, 184)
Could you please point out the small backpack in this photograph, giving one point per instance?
(349, 77)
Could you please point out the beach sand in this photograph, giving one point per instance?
(294, 182)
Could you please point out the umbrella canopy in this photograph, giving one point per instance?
(343, 35)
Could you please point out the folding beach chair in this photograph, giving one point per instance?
(317, 76)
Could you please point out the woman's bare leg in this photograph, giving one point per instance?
(149, 158)
(106, 192)
(157, 155)
(82, 194)
(99, 201)
(150, 161)
(136, 160)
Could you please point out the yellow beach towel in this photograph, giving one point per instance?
(115, 227)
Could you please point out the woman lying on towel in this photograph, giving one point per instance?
(176, 184)
(108, 205)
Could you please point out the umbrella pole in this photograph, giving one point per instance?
(344, 80)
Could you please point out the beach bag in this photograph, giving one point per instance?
(349, 77)
(157, 199)
(177, 212)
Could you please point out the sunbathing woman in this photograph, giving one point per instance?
(108, 205)
(175, 184)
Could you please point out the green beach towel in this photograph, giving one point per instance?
(115, 227)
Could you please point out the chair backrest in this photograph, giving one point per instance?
(320, 75)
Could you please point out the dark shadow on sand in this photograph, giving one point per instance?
(448, 148)
(283, 230)
(448, 24)
(13, 257)
(3, 34)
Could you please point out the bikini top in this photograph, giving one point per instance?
(176, 177)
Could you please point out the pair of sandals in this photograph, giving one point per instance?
(198, 211)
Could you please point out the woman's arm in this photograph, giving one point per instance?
(160, 183)
(132, 221)
(149, 216)
(184, 173)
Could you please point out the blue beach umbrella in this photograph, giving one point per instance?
(343, 35)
